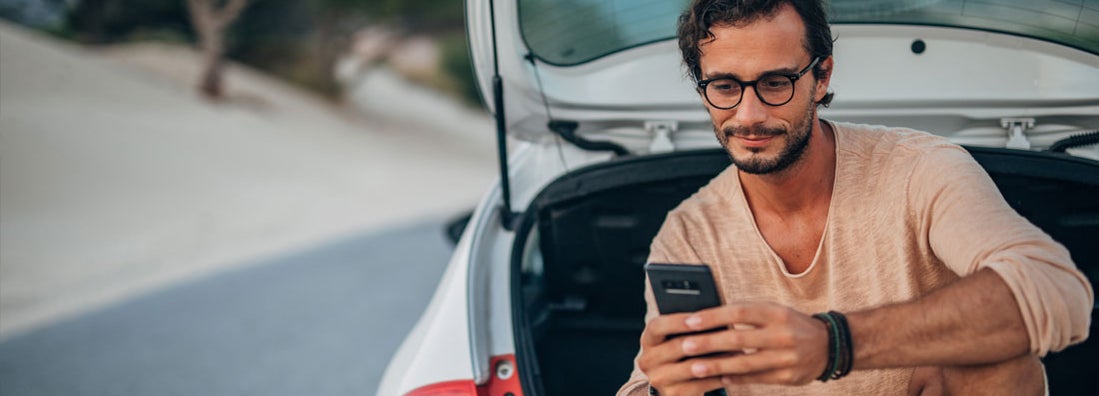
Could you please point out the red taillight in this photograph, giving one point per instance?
(449, 388)
(503, 382)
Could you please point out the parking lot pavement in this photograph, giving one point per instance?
(116, 180)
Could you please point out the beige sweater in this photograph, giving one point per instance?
(910, 213)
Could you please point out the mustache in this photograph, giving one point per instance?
(758, 131)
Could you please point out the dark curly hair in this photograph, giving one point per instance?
(701, 15)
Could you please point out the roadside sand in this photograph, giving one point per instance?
(116, 179)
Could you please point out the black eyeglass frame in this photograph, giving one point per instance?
(745, 84)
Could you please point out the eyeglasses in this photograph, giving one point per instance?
(773, 89)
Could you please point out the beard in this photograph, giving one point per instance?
(797, 142)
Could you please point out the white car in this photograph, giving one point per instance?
(543, 295)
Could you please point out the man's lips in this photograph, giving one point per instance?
(754, 140)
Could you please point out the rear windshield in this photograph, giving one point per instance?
(569, 32)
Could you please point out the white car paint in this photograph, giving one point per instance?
(877, 80)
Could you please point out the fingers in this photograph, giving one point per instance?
(762, 363)
(698, 375)
(773, 322)
(656, 349)
(778, 367)
(773, 377)
(656, 342)
(675, 373)
(683, 378)
(787, 346)
(736, 340)
(658, 329)
(755, 314)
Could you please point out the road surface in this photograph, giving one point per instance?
(323, 321)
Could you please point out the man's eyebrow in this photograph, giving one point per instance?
(780, 71)
(717, 76)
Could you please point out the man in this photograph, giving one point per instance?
(945, 288)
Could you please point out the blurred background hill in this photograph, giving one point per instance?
(300, 41)
(118, 179)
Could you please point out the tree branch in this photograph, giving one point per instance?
(229, 12)
(200, 13)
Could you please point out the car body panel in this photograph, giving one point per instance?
(966, 85)
(468, 321)
(437, 349)
(963, 73)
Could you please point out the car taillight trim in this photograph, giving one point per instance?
(504, 381)
(448, 388)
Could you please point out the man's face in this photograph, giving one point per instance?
(762, 138)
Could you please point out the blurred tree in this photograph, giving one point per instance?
(335, 22)
(442, 20)
(417, 15)
(110, 21)
(210, 18)
(296, 40)
(262, 32)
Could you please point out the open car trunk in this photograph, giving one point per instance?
(577, 277)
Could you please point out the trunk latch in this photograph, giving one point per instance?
(1016, 132)
(662, 135)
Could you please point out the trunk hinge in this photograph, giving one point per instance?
(662, 135)
(567, 130)
(1016, 132)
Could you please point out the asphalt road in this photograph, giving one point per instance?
(324, 321)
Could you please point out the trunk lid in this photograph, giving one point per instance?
(616, 66)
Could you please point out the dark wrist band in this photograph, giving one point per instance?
(848, 347)
(840, 350)
(829, 366)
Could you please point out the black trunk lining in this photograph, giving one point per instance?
(595, 226)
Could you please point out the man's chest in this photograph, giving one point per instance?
(795, 240)
(866, 257)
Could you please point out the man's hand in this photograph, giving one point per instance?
(665, 361)
(785, 347)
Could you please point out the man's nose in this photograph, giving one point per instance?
(751, 110)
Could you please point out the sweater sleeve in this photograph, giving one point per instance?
(669, 246)
(969, 226)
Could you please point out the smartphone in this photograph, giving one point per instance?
(682, 287)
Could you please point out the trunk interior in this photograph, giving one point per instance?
(577, 263)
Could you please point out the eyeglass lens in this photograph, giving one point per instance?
(775, 90)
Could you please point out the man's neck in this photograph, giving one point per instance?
(804, 186)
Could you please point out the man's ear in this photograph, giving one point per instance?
(823, 82)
